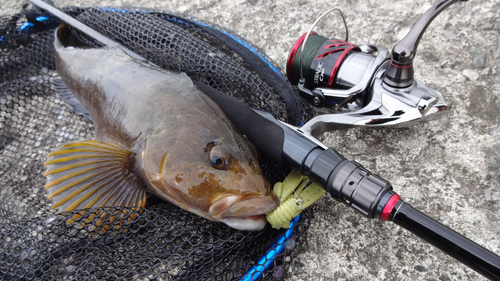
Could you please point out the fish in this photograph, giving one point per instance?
(155, 133)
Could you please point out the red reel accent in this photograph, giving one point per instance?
(293, 52)
(338, 46)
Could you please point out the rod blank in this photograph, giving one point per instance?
(461, 248)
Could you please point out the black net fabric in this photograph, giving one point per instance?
(161, 241)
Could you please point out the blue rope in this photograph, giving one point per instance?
(265, 262)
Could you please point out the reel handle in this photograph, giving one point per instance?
(399, 73)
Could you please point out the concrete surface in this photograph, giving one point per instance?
(448, 168)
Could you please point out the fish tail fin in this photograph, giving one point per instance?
(65, 94)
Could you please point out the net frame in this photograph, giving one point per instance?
(161, 241)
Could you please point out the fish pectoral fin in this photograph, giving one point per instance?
(89, 174)
(68, 98)
(186, 78)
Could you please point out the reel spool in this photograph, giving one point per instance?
(320, 67)
(318, 64)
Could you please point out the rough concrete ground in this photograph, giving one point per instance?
(448, 168)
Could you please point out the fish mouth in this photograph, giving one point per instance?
(250, 223)
(244, 214)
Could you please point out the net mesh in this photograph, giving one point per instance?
(161, 241)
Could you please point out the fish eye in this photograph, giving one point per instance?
(219, 156)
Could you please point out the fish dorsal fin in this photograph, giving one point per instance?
(68, 98)
(89, 174)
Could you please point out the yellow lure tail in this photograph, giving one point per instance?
(296, 193)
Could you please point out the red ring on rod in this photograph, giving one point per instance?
(389, 206)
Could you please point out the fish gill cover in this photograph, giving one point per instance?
(161, 241)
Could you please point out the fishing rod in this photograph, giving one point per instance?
(349, 182)
(346, 181)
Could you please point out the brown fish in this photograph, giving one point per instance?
(154, 132)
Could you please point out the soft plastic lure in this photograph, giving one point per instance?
(296, 193)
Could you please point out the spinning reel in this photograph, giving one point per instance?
(363, 85)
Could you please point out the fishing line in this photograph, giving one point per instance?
(307, 55)
(302, 55)
(314, 24)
